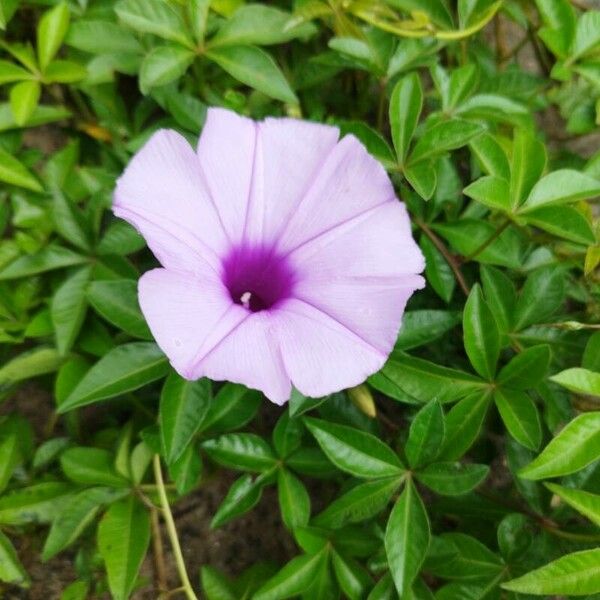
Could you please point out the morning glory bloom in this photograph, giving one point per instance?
(286, 257)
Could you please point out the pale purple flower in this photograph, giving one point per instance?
(287, 259)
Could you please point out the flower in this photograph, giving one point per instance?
(287, 258)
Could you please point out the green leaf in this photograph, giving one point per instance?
(9, 72)
(426, 435)
(452, 478)
(11, 569)
(287, 435)
(186, 470)
(242, 496)
(481, 335)
(591, 354)
(123, 369)
(574, 574)
(587, 34)
(491, 156)
(120, 238)
(7, 9)
(561, 187)
(527, 165)
(9, 459)
(29, 365)
(214, 585)
(51, 31)
(91, 466)
(68, 309)
(102, 37)
(491, 191)
(49, 258)
(437, 270)
(405, 108)
(163, 65)
(123, 537)
(356, 452)
(294, 501)
(41, 115)
(559, 20)
(14, 172)
(574, 447)
(373, 141)
(462, 557)
(244, 451)
(295, 578)
(563, 221)
(384, 589)
(422, 177)
(463, 424)
(38, 503)
(443, 137)
(183, 406)
(255, 68)
(579, 381)
(117, 301)
(420, 327)
(64, 71)
(586, 503)
(407, 538)
(154, 16)
(69, 222)
(526, 369)
(231, 408)
(360, 503)
(353, 579)
(24, 98)
(78, 512)
(425, 380)
(467, 236)
(197, 13)
(78, 590)
(542, 294)
(520, 416)
(258, 24)
(436, 10)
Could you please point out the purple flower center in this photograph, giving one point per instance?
(257, 277)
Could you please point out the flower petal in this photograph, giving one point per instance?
(349, 183)
(226, 151)
(249, 355)
(321, 355)
(289, 155)
(162, 194)
(362, 273)
(185, 312)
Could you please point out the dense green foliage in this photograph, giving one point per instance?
(468, 468)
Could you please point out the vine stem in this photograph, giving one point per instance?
(451, 260)
(172, 531)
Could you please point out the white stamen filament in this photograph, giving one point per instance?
(245, 299)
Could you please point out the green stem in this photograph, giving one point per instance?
(172, 531)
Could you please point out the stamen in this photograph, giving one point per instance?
(245, 299)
